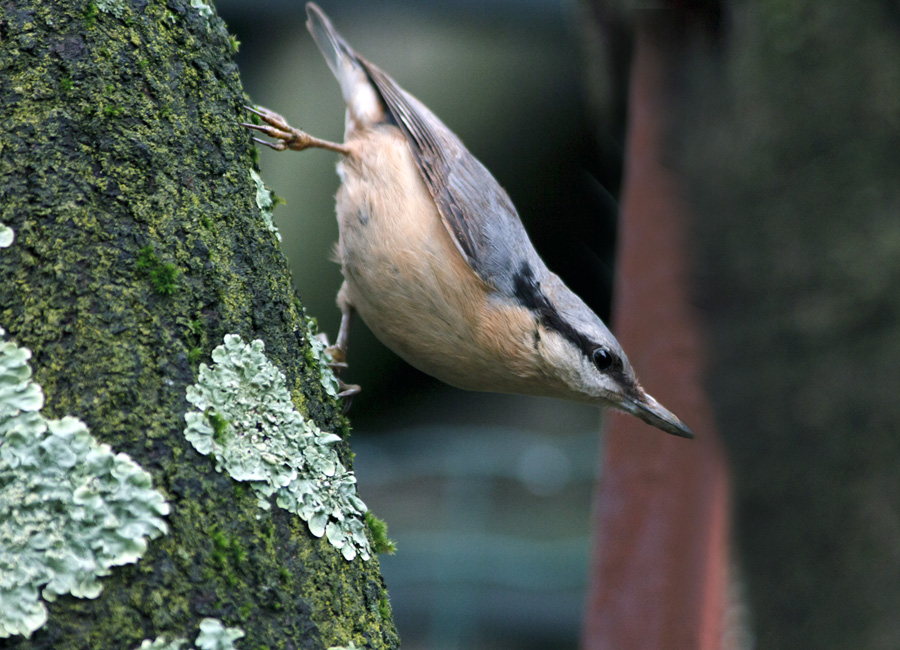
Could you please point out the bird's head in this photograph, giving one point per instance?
(599, 373)
(585, 361)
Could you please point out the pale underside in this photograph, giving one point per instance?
(410, 284)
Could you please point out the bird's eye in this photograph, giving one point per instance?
(603, 359)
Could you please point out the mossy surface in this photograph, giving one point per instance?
(119, 124)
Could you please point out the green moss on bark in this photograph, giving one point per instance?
(120, 133)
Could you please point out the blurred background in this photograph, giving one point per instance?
(786, 133)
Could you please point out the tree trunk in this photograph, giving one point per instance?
(140, 243)
(660, 560)
(785, 135)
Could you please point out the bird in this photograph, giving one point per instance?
(436, 261)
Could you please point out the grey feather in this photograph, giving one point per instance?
(333, 47)
(474, 208)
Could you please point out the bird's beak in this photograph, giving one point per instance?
(652, 412)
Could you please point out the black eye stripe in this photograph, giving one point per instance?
(528, 293)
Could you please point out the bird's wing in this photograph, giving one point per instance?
(476, 211)
(474, 208)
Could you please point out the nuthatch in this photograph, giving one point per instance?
(437, 262)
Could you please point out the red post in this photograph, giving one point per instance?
(660, 559)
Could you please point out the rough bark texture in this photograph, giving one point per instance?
(119, 133)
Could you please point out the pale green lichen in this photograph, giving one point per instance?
(326, 374)
(114, 7)
(202, 8)
(265, 201)
(161, 644)
(72, 508)
(6, 235)
(245, 418)
(213, 636)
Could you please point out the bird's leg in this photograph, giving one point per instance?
(286, 136)
(338, 351)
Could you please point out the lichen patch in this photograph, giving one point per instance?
(202, 8)
(326, 375)
(160, 643)
(246, 420)
(6, 235)
(72, 508)
(213, 636)
(265, 201)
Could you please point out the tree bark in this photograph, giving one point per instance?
(139, 244)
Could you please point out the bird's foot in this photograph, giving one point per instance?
(338, 364)
(337, 354)
(286, 136)
(347, 393)
(348, 390)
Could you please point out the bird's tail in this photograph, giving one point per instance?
(363, 103)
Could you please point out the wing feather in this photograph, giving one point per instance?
(474, 208)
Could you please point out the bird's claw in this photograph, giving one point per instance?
(347, 393)
(286, 136)
(348, 390)
(337, 353)
(338, 356)
(338, 364)
(269, 117)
